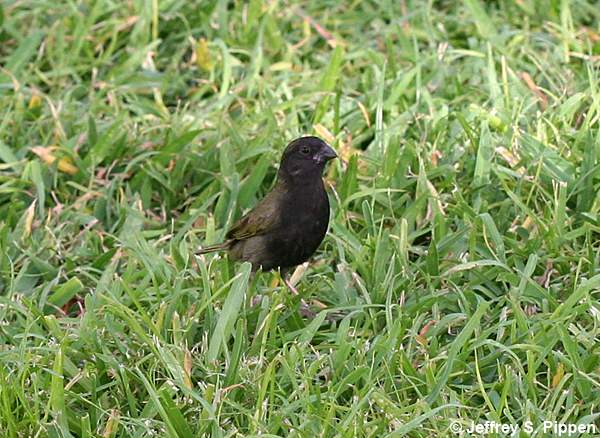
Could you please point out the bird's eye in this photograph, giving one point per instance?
(305, 150)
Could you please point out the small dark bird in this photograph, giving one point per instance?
(287, 226)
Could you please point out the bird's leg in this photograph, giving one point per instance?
(290, 286)
(304, 308)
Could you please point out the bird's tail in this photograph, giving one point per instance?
(213, 248)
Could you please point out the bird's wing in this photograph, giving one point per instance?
(261, 219)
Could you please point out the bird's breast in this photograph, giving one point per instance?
(307, 211)
(303, 225)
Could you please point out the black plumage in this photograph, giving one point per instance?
(287, 226)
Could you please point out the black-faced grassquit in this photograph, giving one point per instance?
(287, 226)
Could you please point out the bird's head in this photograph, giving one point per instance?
(305, 157)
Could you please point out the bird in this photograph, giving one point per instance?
(287, 226)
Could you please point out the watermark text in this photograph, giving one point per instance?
(555, 428)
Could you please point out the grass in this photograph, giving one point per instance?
(460, 278)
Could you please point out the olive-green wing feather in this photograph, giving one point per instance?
(261, 219)
(213, 248)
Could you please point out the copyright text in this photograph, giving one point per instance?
(547, 427)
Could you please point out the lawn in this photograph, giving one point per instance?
(458, 284)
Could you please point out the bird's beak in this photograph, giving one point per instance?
(325, 154)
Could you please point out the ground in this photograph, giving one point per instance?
(458, 284)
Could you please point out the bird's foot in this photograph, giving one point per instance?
(304, 307)
(305, 310)
(256, 299)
